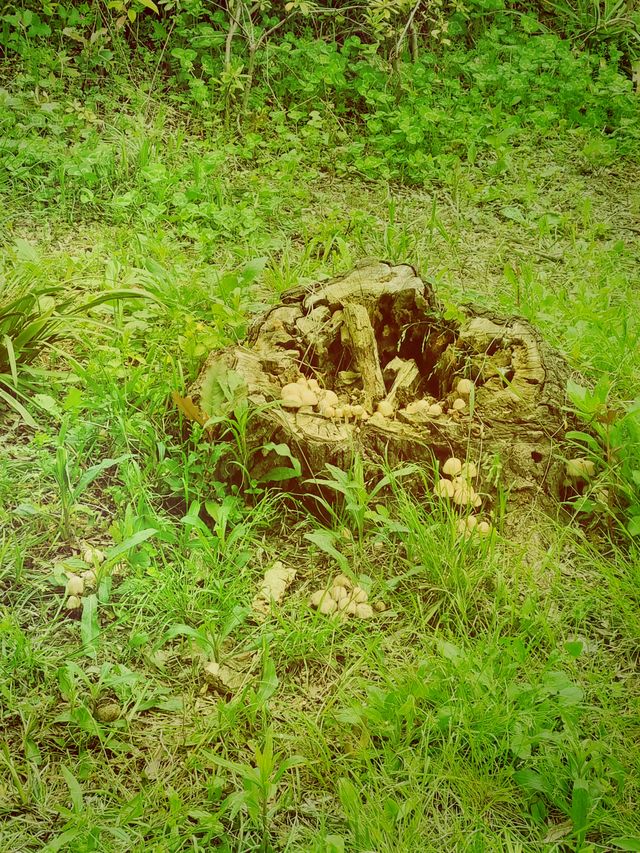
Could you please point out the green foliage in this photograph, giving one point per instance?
(613, 444)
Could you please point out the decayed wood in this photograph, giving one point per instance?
(364, 347)
(378, 333)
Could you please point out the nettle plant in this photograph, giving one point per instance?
(612, 444)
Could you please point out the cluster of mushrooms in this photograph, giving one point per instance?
(307, 396)
(85, 582)
(456, 485)
(345, 598)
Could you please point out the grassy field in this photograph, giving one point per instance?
(493, 706)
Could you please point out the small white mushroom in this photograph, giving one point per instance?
(464, 387)
(75, 586)
(313, 384)
(358, 412)
(580, 469)
(435, 410)
(73, 603)
(291, 396)
(452, 467)
(327, 606)
(328, 398)
(93, 555)
(359, 595)
(328, 411)
(463, 493)
(443, 488)
(385, 408)
(317, 597)
(467, 525)
(484, 528)
(338, 593)
(90, 580)
(418, 407)
(469, 470)
(364, 611)
(458, 405)
(379, 606)
(343, 580)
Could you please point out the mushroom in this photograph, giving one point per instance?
(443, 488)
(464, 387)
(463, 493)
(75, 586)
(385, 408)
(580, 469)
(379, 606)
(295, 395)
(467, 525)
(343, 580)
(418, 407)
(338, 593)
(484, 528)
(469, 470)
(93, 555)
(313, 385)
(328, 411)
(90, 580)
(359, 595)
(358, 412)
(317, 597)
(328, 398)
(364, 611)
(327, 606)
(435, 410)
(458, 405)
(452, 467)
(73, 603)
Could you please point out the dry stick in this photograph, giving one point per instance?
(406, 29)
(365, 352)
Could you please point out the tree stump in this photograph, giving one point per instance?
(380, 341)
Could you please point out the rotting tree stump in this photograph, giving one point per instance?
(379, 335)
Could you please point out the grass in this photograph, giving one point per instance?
(493, 706)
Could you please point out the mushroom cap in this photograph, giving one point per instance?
(308, 397)
(379, 606)
(328, 398)
(483, 528)
(469, 470)
(463, 492)
(359, 595)
(338, 593)
(343, 580)
(435, 410)
(90, 579)
(443, 488)
(327, 411)
(364, 611)
(73, 603)
(291, 395)
(317, 597)
(418, 407)
(452, 467)
(385, 408)
(464, 387)
(357, 411)
(327, 606)
(458, 405)
(75, 585)
(313, 384)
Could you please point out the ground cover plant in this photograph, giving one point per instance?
(166, 172)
